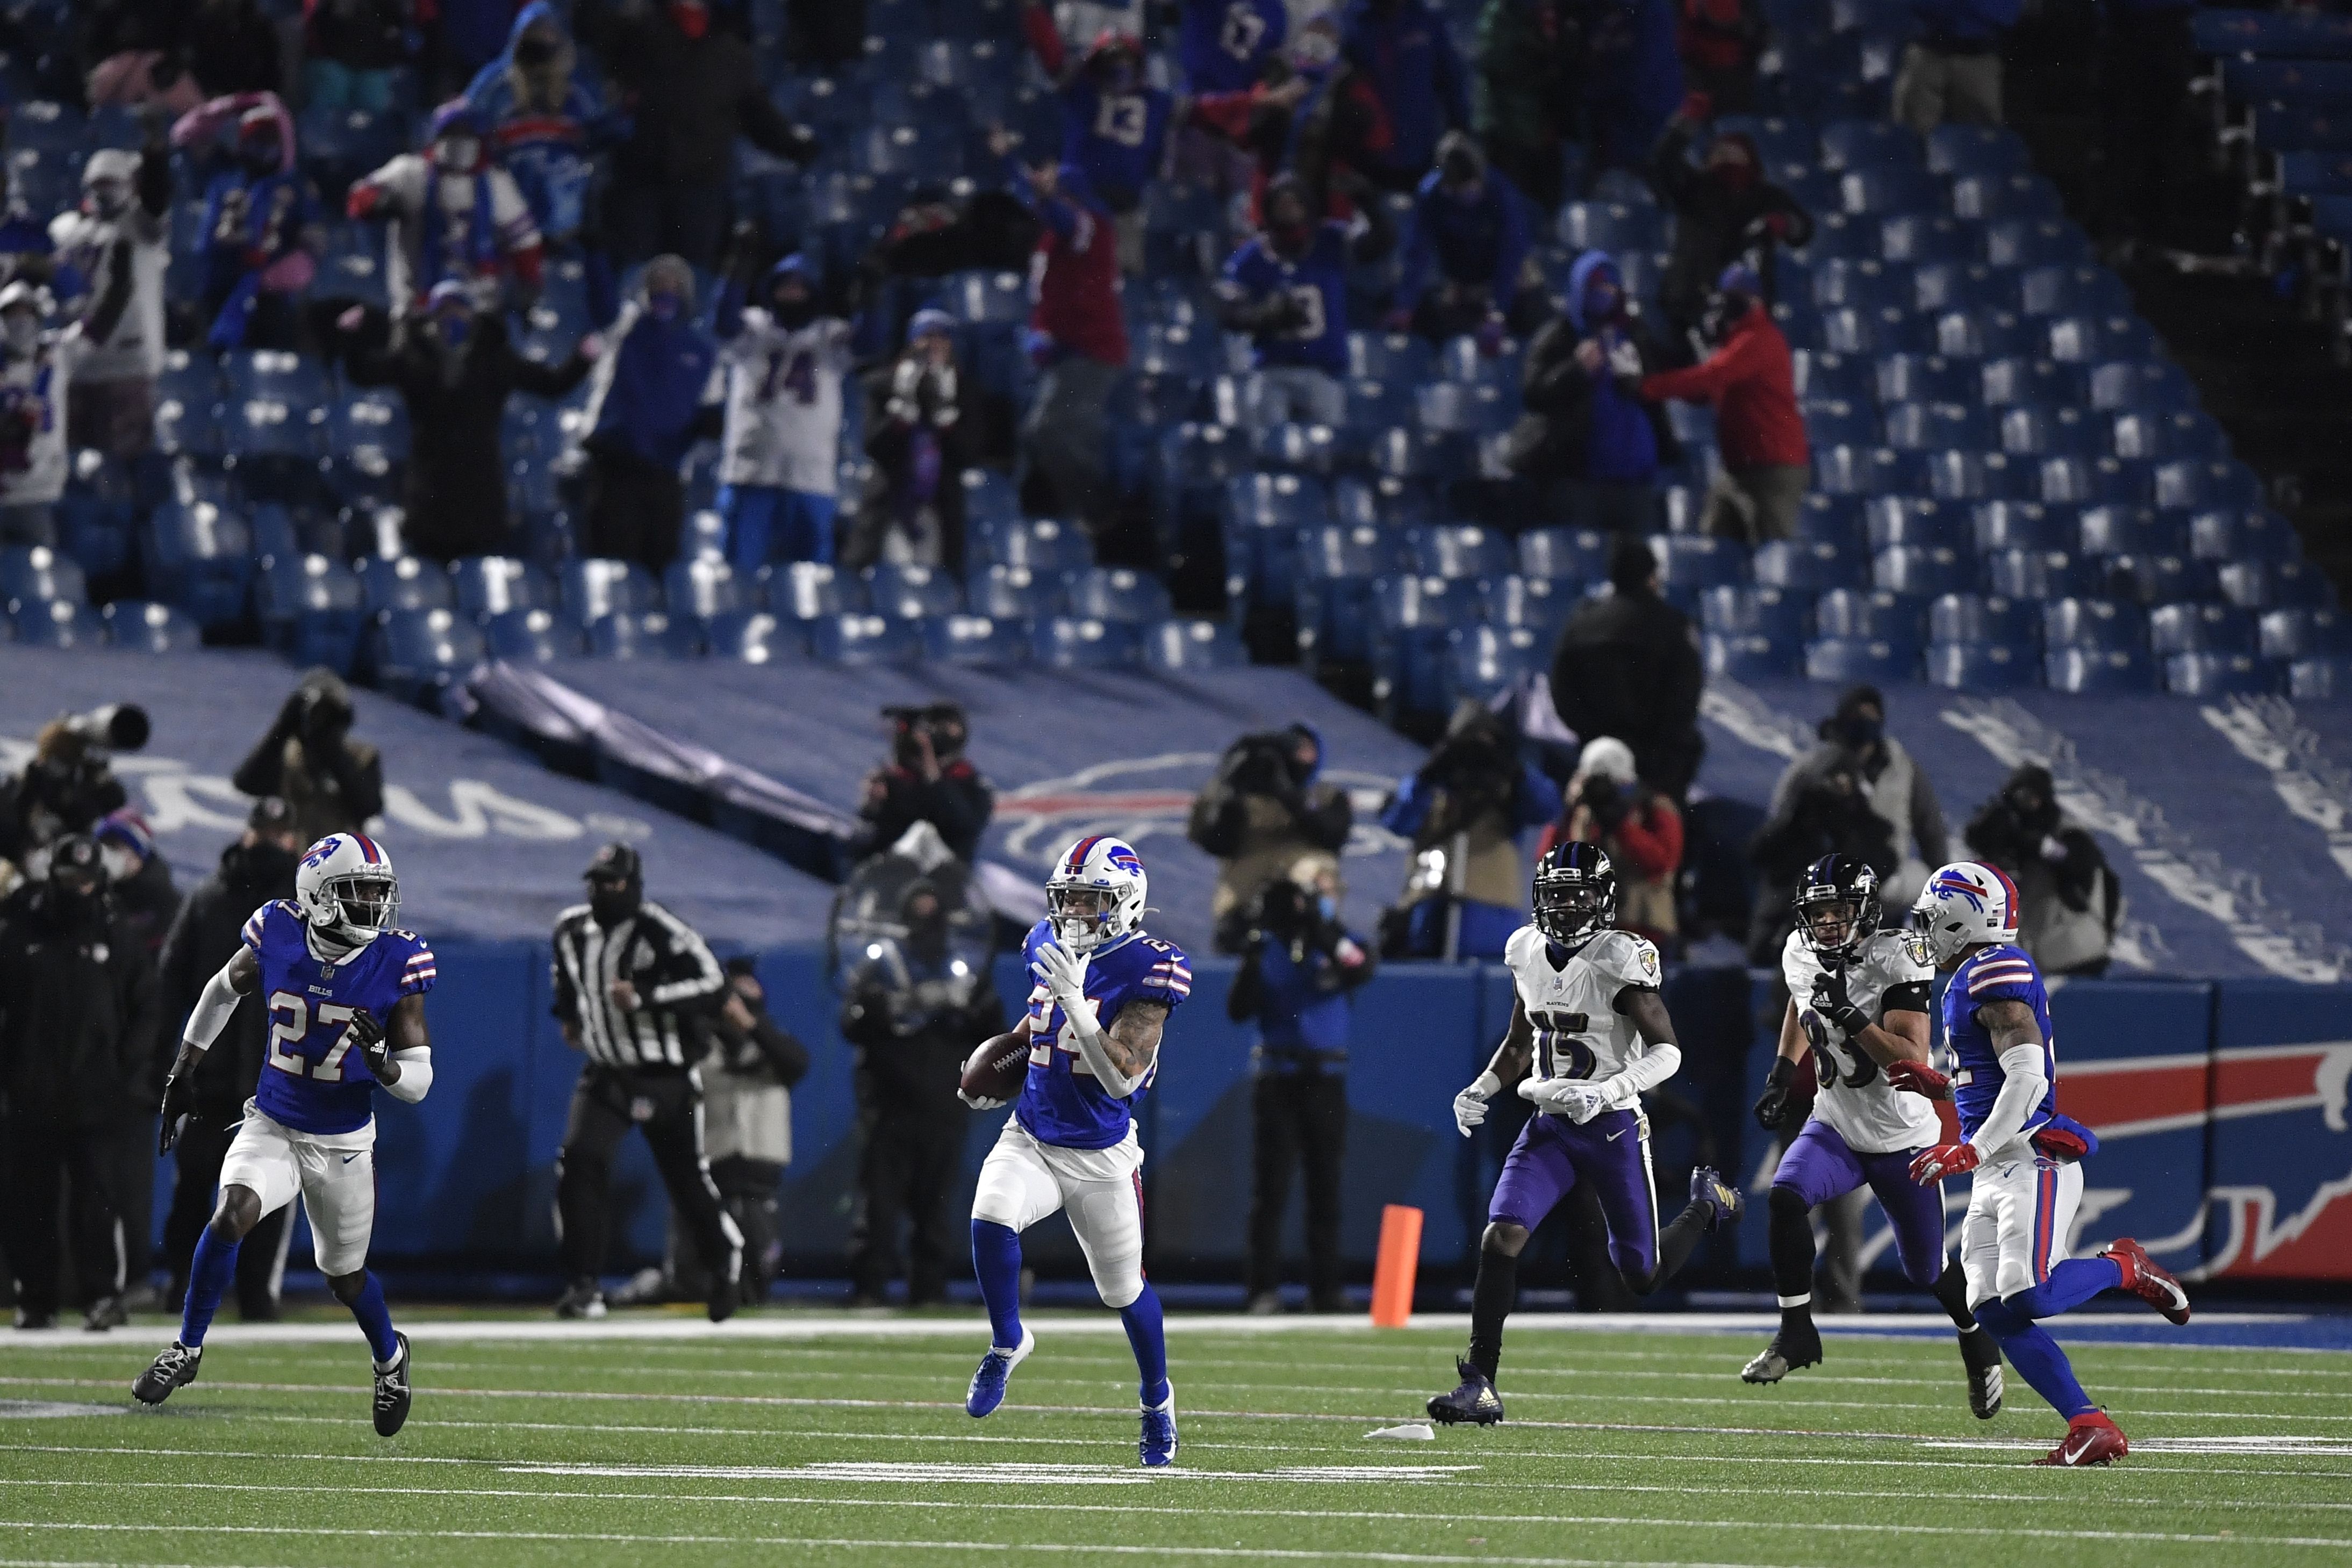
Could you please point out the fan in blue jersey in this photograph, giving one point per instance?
(345, 995)
(1288, 289)
(2026, 1154)
(1113, 122)
(1102, 994)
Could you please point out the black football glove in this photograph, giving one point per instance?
(368, 1035)
(179, 1104)
(1772, 1105)
(1831, 1001)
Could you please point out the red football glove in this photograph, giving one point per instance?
(1919, 1078)
(1944, 1160)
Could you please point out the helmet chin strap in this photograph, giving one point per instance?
(328, 947)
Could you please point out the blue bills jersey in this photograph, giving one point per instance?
(1118, 137)
(314, 1079)
(1994, 974)
(1317, 282)
(1062, 1105)
(1223, 44)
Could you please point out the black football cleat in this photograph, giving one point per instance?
(392, 1392)
(1473, 1403)
(580, 1299)
(1982, 1356)
(1723, 1198)
(175, 1368)
(1792, 1348)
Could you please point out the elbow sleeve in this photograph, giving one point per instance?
(415, 1075)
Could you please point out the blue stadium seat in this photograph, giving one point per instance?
(1073, 643)
(2034, 242)
(1942, 286)
(1833, 422)
(2023, 195)
(1960, 150)
(1923, 570)
(988, 499)
(985, 296)
(2051, 433)
(1872, 615)
(2237, 535)
(404, 583)
(1414, 619)
(1924, 378)
(2153, 435)
(1976, 619)
(2072, 290)
(2273, 585)
(533, 636)
(1826, 375)
(1689, 564)
(1408, 453)
(2097, 624)
(1382, 502)
(1780, 613)
(1864, 283)
(370, 421)
(703, 537)
(1338, 568)
(2187, 485)
(644, 635)
(2095, 672)
(1867, 470)
(754, 637)
(1307, 448)
(1915, 520)
(2302, 633)
(2125, 385)
(310, 609)
(2072, 481)
(1751, 655)
(1460, 550)
(1891, 192)
(1985, 334)
(420, 650)
(202, 556)
(1453, 408)
(1870, 144)
(912, 592)
(2027, 382)
(2323, 679)
(1015, 594)
(1397, 357)
(2215, 674)
(1936, 427)
(2160, 578)
(1186, 646)
(592, 589)
(2023, 525)
(1845, 660)
(978, 640)
(1571, 555)
(806, 590)
(149, 627)
(55, 623)
(1378, 405)
(856, 638)
(2038, 574)
(1978, 477)
(2085, 339)
(1981, 668)
(491, 585)
(1611, 226)
(1118, 593)
(1923, 239)
(1483, 662)
(1830, 519)
(273, 375)
(697, 589)
(1806, 565)
(36, 572)
(1462, 360)
(1536, 602)
(1886, 330)
(2199, 628)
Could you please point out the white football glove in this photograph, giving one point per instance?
(1064, 974)
(1470, 1106)
(981, 1102)
(1580, 1103)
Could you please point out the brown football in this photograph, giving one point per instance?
(998, 1068)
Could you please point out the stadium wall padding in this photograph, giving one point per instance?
(2221, 1109)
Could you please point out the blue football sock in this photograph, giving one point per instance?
(376, 1321)
(1144, 1332)
(208, 1276)
(996, 1263)
(2069, 1284)
(2036, 1357)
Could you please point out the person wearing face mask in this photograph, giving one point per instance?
(254, 868)
(1288, 289)
(1853, 739)
(921, 443)
(77, 1024)
(119, 242)
(455, 367)
(545, 124)
(641, 418)
(36, 373)
(333, 783)
(1467, 262)
(262, 225)
(1750, 382)
(1586, 428)
(2069, 897)
(1639, 830)
(1311, 114)
(1265, 810)
(1223, 46)
(1464, 810)
(1113, 122)
(695, 86)
(1407, 56)
(1298, 970)
(138, 878)
(1723, 208)
(779, 453)
(914, 1005)
(453, 214)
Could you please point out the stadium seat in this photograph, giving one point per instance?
(1914, 520)
(2034, 242)
(1987, 621)
(310, 610)
(420, 650)
(1922, 239)
(1923, 378)
(1015, 594)
(1612, 227)
(1834, 421)
(2188, 485)
(1981, 668)
(1945, 285)
(2129, 531)
(2125, 385)
(1864, 283)
(697, 589)
(36, 572)
(1867, 470)
(1413, 617)
(1831, 519)
(1848, 145)
(2320, 679)
(1187, 647)
(1980, 333)
(2199, 628)
(149, 627)
(2023, 525)
(1689, 564)
(1465, 551)
(2099, 624)
(2052, 432)
(2096, 672)
(1076, 643)
(1844, 660)
(858, 638)
(2155, 436)
(1936, 427)
(1961, 150)
(1043, 544)
(532, 635)
(754, 637)
(1536, 602)
(2271, 585)
(490, 585)
(2303, 633)
(2160, 578)
(1871, 615)
(1826, 375)
(2243, 535)
(1382, 502)
(1733, 611)
(803, 590)
(912, 592)
(2027, 381)
(2215, 674)
(2038, 574)
(1978, 475)
(1809, 567)
(55, 623)
(592, 589)
(976, 640)
(404, 583)
(1569, 554)
(1750, 655)
(1118, 593)
(1397, 357)
(1483, 662)
(988, 499)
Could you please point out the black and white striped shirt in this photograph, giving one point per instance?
(668, 963)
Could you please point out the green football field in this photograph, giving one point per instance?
(792, 1438)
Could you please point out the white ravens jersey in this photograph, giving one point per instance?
(1578, 1032)
(1854, 1098)
(784, 402)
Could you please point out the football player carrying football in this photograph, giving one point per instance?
(1103, 992)
(1590, 1033)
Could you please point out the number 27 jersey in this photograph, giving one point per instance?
(315, 1079)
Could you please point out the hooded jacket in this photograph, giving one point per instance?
(1752, 384)
(1594, 426)
(649, 384)
(77, 1012)
(1712, 217)
(549, 148)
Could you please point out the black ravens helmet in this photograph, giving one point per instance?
(1837, 905)
(1575, 894)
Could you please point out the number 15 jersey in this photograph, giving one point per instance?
(1572, 1005)
(1855, 1099)
(314, 1078)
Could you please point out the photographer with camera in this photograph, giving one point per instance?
(1264, 810)
(918, 1001)
(1639, 830)
(1465, 887)
(926, 779)
(333, 783)
(1297, 969)
(1891, 781)
(2068, 896)
(70, 783)
(1823, 811)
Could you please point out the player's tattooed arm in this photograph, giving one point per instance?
(1133, 1039)
(2010, 1021)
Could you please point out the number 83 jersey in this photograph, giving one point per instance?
(314, 1078)
(1571, 1000)
(1855, 1099)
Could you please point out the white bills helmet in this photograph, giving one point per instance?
(1965, 902)
(347, 889)
(1096, 893)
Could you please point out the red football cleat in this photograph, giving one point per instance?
(2149, 1281)
(2090, 1439)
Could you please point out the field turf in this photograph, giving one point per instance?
(797, 1439)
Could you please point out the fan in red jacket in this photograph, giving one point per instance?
(1758, 431)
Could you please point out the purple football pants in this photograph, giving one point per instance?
(1554, 1153)
(1821, 1166)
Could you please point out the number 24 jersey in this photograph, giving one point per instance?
(1578, 1032)
(315, 1079)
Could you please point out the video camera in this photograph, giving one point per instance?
(1260, 764)
(943, 723)
(118, 727)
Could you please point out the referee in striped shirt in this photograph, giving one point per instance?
(633, 984)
